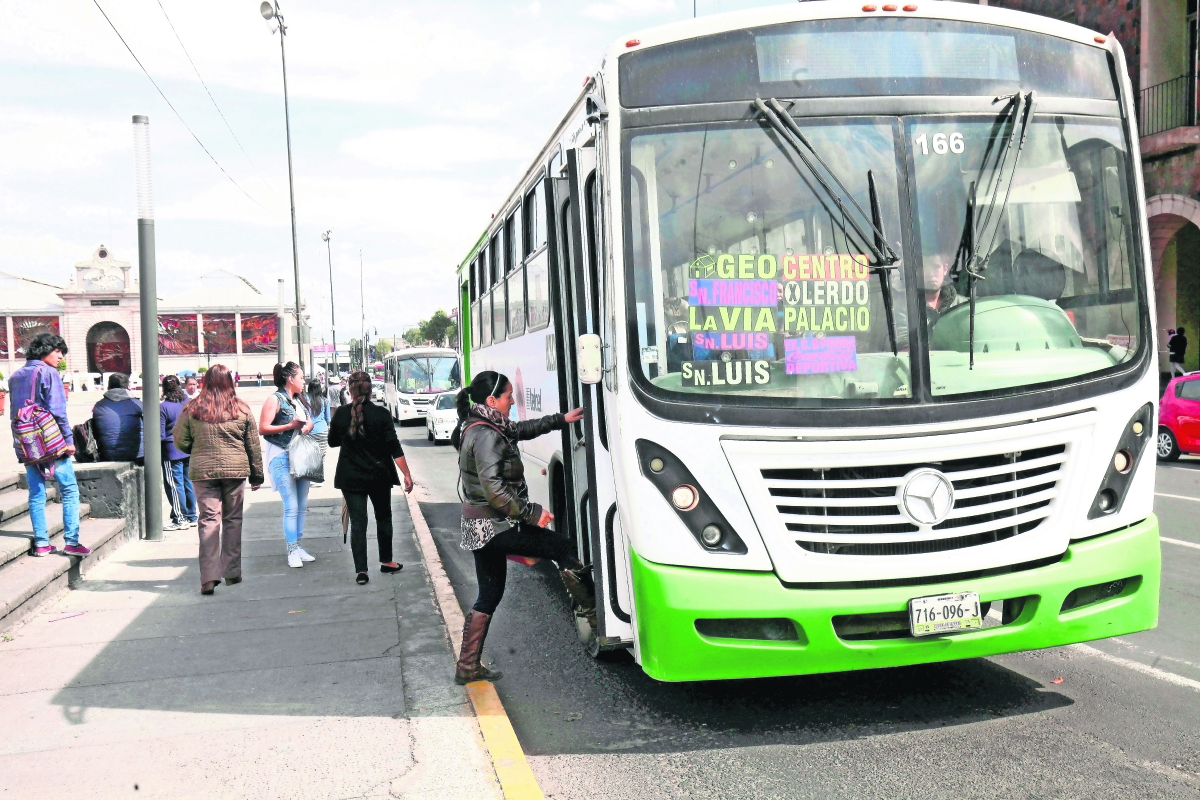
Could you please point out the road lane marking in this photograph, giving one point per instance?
(1137, 666)
(517, 780)
(1177, 497)
(1179, 542)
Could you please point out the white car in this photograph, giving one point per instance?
(441, 419)
(377, 390)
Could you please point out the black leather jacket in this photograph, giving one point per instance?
(493, 476)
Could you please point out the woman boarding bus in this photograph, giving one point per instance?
(856, 300)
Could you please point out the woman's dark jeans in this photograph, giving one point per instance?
(356, 503)
(491, 560)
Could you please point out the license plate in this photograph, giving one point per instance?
(944, 613)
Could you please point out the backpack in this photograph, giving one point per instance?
(87, 450)
(36, 434)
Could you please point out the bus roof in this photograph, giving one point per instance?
(409, 352)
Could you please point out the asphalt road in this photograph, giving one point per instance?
(1121, 723)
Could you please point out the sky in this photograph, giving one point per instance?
(411, 122)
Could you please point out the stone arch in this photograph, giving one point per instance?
(1167, 214)
(108, 348)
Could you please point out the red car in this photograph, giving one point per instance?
(1179, 418)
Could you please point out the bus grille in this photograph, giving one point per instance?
(856, 511)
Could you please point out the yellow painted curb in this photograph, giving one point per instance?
(516, 778)
(508, 759)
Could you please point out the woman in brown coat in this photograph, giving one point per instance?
(219, 433)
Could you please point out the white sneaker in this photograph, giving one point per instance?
(304, 556)
(294, 559)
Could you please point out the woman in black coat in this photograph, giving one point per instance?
(366, 469)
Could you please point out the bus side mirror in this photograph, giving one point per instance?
(588, 358)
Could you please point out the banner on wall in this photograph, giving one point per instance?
(220, 334)
(25, 328)
(177, 335)
(260, 333)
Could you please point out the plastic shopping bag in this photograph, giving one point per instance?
(305, 458)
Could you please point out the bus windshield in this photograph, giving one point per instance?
(743, 280)
(1057, 296)
(424, 375)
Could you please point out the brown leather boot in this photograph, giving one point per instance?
(470, 667)
(582, 592)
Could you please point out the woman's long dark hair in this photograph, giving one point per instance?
(484, 385)
(316, 397)
(360, 392)
(284, 371)
(218, 400)
(172, 391)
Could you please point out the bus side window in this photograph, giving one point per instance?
(535, 218)
(537, 281)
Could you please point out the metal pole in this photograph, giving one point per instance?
(148, 298)
(332, 313)
(362, 310)
(282, 325)
(291, 188)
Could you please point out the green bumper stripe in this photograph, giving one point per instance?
(670, 599)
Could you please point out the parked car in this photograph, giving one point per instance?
(441, 419)
(377, 391)
(1179, 418)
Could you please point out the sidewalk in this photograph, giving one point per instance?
(296, 683)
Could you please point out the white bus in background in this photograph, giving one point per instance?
(871, 287)
(414, 376)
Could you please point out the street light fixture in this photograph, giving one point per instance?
(325, 237)
(270, 11)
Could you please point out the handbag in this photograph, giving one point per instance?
(305, 459)
(36, 434)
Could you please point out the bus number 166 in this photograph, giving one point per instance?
(941, 143)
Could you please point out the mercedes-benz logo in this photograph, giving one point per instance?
(926, 496)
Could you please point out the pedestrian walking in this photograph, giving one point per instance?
(498, 518)
(237, 379)
(218, 432)
(321, 414)
(1177, 347)
(181, 494)
(284, 413)
(38, 384)
(117, 418)
(366, 470)
(334, 394)
(191, 388)
(260, 379)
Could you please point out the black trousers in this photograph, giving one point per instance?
(491, 560)
(356, 504)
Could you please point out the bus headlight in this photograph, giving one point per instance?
(1119, 475)
(402, 401)
(694, 507)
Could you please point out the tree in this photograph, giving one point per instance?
(439, 328)
(356, 355)
(382, 348)
(414, 337)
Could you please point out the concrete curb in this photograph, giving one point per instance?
(517, 780)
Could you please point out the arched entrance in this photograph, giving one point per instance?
(108, 348)
(1175, 253)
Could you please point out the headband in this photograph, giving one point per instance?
(499, 378)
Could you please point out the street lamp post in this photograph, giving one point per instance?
(362, 310)
(332, 316)
(270, 11)
(148, 309)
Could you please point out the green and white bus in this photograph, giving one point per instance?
(857, 301)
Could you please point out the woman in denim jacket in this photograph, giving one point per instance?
(284, 413)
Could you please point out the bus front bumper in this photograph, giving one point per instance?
(669, 601)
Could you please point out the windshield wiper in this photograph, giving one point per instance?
(883, 258)
(968, 258)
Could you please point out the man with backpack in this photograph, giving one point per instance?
(43, 440)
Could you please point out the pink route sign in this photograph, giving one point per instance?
(810, 355)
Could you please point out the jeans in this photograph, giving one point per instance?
(294, 494)
(64, 474)
(220, 528)
(491, 560)
(181, 494)
(356, 503)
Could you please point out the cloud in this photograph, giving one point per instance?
(434, 148)
(622, 9)
(49, 141)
